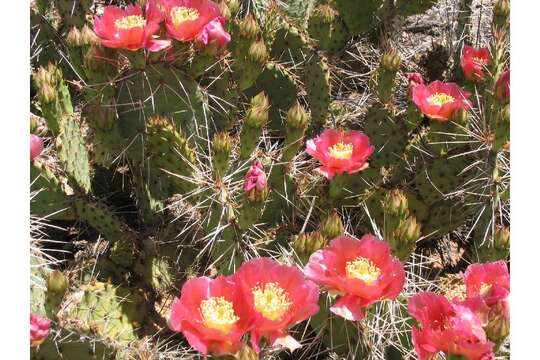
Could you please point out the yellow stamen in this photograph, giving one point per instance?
(484, 288)
(363, 269)
(218, 314)
(271, 301)
(130, 22)
(341, 150)
(181, 14)
(440, 99)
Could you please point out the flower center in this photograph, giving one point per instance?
(362, 269)
(484, 288)
(130, 22)
(341, 150)
(271, 301)
(440, 99)
(181, 13)
(218, 314)
(479, 61)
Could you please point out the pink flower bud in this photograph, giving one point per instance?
(415, 79)
(36, 146)
(502, 87)
(39, 329)
(255, 178)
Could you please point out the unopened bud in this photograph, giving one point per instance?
(391, 61)
(88, 37)
(307, 243)
(57, 282)
(257, 115)
(324, 13)
(395, 203)
(297, 117)
(222, 143)
(332, 226)
(501, 238)
(246, 353)
(258, 52)
(501, 13)
(502, 87)
(233, 5)
(36, 146)
(498, 327)
(73, 38)
(409, 231)
(249, 28)
(255, 183)
(460, 116)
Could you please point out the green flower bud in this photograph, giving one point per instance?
(73, 38)
(257, 115)
(391, 61)
(460, 116)
(233, 5)
(297, 117)
(224, 10)
(246, 353)
(408, 232)
(57, 282)
(395, 203)
(258, 52)
(501, 13)
(498, 327)
(332, 226)
(249, 28)
(501, 239)
(88, 37)
(222, 143)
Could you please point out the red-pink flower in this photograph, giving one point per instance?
(361, 271)
(255, 177)
(36, 146)
(211, 314)
(440, 100)
(196, 20)
(278, 297)
(129, 28)
(448, 327)
(39, 329)
(340, 151)
(502, 87)
(491, 281)
(473, 62)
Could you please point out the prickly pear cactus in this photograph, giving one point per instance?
(176, 143)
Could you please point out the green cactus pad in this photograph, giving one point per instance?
(386, 135)
(67, 345)
(445, 216)
(73, 153)
(316, 79)
(442, 177)
(48, 199)
(290, 45)
(359, 19)
(328, 29)
(104, 310)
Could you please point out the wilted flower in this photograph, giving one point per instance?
(473, 62)
(39, 329)
(36, 146)
(440, 100)
(340, 151)
(211, 314)
(361, 271)
(502, 87)
(278, 297)
(447, 326)
(195, 20)
(129, 28)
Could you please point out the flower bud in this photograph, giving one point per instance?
(57, 282)
(415, 79)
(249, 27)
(255, 184)
(233, 5)
(501, 238)
(501, 13)
(246, 353)
(297, 117)
(258, 52)
(39, 329)
(325, 14)
(73, 38)
(460, 116)
(257, 115)
(395, 203)
(408, 232)
(36, 146)
(391, 61)
(222, 143)
(502, 87)
(498, 326)
(332, 226)
(88, 37)
(224, 10)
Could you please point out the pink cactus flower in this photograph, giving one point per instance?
(278, 297)
(255, 177)
(502, 87)
(211, 314)
(36, 146)
(39, 329)
(361, 271)
(129, 28)
(491, 281)
(474, 61)
(196, 20)
(340, 152)
(440, 100)
(448, 327)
